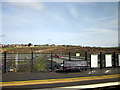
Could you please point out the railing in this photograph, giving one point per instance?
(46, 62)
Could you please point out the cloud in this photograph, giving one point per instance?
(58, 17)
(101, 37)
(20, 1)
(25, 5)
(56, 25)
(101, 34)
(103, 22)
(113, 23)
(90, 37)
(2, 35)
(19, 14)
(61, 0)
(73, 11)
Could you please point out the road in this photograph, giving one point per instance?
(43, 80)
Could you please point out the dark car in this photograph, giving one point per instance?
(76, 65)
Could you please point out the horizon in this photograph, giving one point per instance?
(58, 45)
(61, 23)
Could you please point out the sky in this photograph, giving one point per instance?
(60, 23)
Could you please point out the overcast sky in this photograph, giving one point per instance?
(73, 23)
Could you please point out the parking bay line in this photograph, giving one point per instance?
(62, 80)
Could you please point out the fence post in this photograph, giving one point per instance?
(69, 56)
(101, 60)
(51, 61)
(114, 62)
(117, 62)
(63, 65)
(85, 56)
(4, 62)
(90, 63)
(32, 62)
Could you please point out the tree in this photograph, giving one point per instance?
(29, 44)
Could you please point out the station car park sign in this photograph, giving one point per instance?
(94, 60)
(77, 54)
(108, 60)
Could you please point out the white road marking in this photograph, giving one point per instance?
(83, 86)
(94, 85)
(107, 71)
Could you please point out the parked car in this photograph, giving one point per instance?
(76, 65)
(58, 56)
(12, 69)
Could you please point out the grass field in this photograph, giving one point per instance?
(60, 49)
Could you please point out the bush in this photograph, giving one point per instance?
(40, 64)
(24, 66)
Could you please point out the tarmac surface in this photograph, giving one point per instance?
(53, 79)
(23, 76)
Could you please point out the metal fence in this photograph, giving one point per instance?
(23, 62)
(36, 62)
